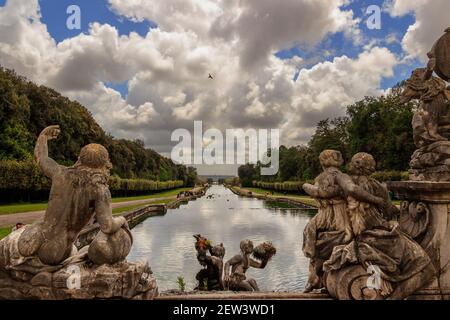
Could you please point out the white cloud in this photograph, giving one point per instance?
(431, 21)
(324, 90)
(167, 69)
(256, 27)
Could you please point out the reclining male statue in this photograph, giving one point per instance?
(78, 195)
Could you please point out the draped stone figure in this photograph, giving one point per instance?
(331, 226)
(403, 266)
(377, 245)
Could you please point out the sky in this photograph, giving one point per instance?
(141, 67)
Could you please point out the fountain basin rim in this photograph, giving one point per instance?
(430, 191)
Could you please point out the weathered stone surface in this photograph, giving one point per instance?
(431, 122)
(235, 268)
(210, 277)
(96, 282)
(41, 261)
(441, 51)
(431, 162)
(377, 261)
(42, 279)
(435, 238)
(110, 248)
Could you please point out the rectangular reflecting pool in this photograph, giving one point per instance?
(223, 217)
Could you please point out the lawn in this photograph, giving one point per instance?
(4, 232)
(167, 193)
(302, 198)
(28, 207)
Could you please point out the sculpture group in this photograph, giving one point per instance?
(217, 276)
(354, 232)
(359, 244)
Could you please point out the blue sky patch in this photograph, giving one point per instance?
(54, 15)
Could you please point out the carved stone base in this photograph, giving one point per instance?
(439, 173)
(120, 281)
(428, 207)
(431, 163)
(350, 283)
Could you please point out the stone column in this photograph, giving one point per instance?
(425, 216)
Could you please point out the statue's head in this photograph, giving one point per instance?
(419, 87)
(246, 246)
(331, 158)
(218, 251)
(94, 156)
(362, 164)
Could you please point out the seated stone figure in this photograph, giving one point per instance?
(331, 226)
(44, 249)
(211, 277)
(402, 265)
(77, 194)
(248, 257)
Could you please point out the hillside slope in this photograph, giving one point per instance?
(26, 108)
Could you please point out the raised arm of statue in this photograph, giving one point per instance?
(351, 189)
(48, 166)
(103, 212)
(317, 192)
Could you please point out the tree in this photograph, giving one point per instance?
(247, 174)
(382, 127)
(26, 109)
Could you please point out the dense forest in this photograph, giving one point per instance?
(380, 126)
(26, 109)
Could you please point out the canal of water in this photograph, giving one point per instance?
(167, 241)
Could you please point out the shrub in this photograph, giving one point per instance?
(23, 181)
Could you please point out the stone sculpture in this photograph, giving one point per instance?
(210, 278)
(431, 122)
(331, 226)
(250, 256)
(40, 261)
(378, 246)
(425, 207)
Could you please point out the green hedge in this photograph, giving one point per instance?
(288, 186)
(23, 181)
(383, 176)
(296, 186)
(118, 184)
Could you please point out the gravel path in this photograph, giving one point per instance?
(7, 220)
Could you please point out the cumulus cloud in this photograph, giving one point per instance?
(324, 90)
(431, 21)
(24, 41)
(256, 27)
(166, 70)
(291, 22)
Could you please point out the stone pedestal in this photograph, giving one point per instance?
(123, 280)
(425, 216)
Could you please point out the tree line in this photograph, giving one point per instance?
(26, 109)
(380, 126)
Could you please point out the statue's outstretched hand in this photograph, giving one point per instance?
(51, 132)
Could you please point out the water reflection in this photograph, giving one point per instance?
(167, 242)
